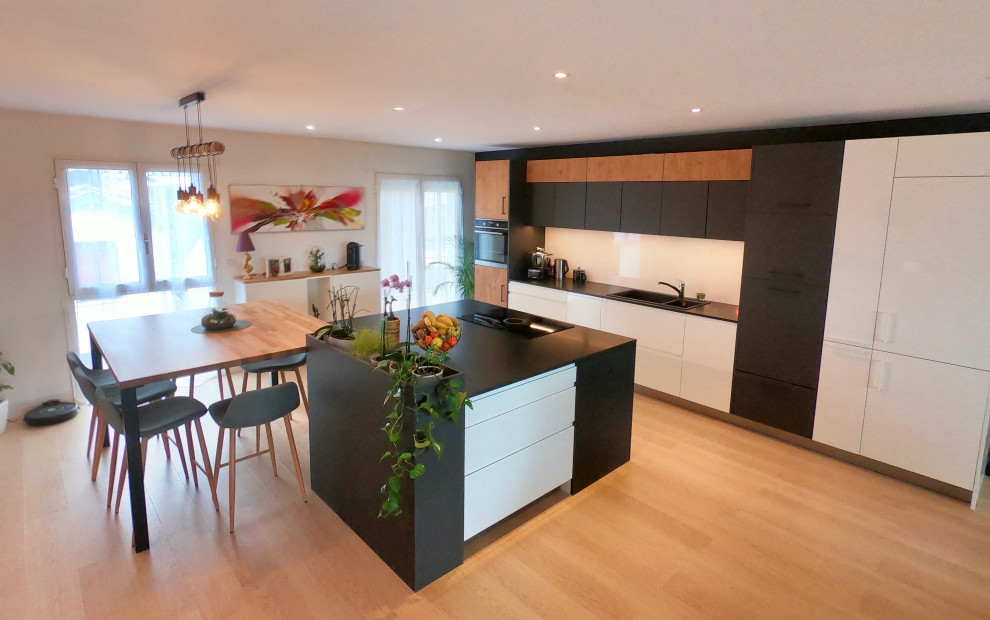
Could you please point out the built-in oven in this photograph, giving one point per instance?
(491, 242)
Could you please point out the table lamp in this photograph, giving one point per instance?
(244, 244)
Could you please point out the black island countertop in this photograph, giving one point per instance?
(714, 310)
(491, 359)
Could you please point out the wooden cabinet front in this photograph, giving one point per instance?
(491, 285)
(626, 168)
(708, 166)
(491, 193)
(573, 170)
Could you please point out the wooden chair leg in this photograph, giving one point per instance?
(244, 383)
(210, 476)
(271, 448)
(220, 381)
(216, 464)
(92, 431)
(168, 449)
(302, 391)
(295, 457)
(101, 433)
(182, 452)
(113, 468)
(257, 439)
(192, 385)
(120, 482)
(232, 466)
(192, 453)
(230, 383)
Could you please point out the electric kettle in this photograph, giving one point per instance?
(560, 269)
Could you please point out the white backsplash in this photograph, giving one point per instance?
(639, 261)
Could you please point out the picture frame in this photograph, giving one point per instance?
(286, 265)
(273, 267)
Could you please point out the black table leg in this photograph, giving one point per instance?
(135, 469)
(274, 378)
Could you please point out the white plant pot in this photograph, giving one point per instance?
(4, 410)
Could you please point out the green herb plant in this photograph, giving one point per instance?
(367, 342)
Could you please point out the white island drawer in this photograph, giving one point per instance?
(498, 437)
(501, 400)
(497, 491)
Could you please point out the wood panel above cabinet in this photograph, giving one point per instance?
(708, 166)
(626, 168)
(557, 170)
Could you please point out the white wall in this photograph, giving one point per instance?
(639, 261)
(33, 292)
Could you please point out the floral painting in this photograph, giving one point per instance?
(276, 208)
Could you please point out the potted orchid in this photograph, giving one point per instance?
(391, 286)
(5, 368)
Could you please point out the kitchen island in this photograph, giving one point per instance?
(548, 408)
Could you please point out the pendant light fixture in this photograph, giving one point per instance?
(191, 199)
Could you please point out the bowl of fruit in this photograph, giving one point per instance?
(436, 334)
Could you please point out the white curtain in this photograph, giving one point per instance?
(419, 221)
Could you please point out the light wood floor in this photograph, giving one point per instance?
(707, 520)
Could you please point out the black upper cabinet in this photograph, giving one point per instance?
(640, 207)
(568, 205)
(602, 207)
(541, 197)
(727, 210)
(798, 178)
(684, 208)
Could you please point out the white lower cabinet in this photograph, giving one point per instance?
(505, 486)
(538, 300)
(519, 445)
(926, 417)
(706, 366)
(841, 405)
(584, 310)
(658, 370)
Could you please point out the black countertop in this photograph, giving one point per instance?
(492, 359)
(714, 310)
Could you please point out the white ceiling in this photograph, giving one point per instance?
(480, 74)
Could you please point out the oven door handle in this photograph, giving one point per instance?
(485, 232)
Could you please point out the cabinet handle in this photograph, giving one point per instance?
(788, 291)
(881, 330)
(877, 372)
(796, 274)
(503, 205)
(501, 293)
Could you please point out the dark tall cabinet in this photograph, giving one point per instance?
(789, 232)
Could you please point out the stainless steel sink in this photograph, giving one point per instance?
(660, 300)
(655, 299)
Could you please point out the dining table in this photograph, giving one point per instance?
(144, 349)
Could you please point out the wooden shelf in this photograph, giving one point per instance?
(303, 275)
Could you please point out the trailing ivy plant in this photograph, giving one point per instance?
(443, 403)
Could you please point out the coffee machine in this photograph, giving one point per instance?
(353, 255)
(539, 264)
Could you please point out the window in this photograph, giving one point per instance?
(127, 251)
(419, 223)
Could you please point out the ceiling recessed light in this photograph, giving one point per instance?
(536, 128)
(399, 108)
(696, 110)
(310, 127)
(438, 139)
(560, 75)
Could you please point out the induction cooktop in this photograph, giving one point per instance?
(516, 322)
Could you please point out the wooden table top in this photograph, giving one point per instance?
(143, 349)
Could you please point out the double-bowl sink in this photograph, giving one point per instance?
(660, 300)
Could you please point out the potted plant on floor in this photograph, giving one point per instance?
(340, 331)
(5, 368)
(422, 395)
(461, 272)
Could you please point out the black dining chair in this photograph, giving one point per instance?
(255, 408)
(154, 418)
(280, 365)
(104, 379)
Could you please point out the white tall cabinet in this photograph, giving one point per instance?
(907, 346)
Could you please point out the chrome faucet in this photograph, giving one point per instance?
(680, 291)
